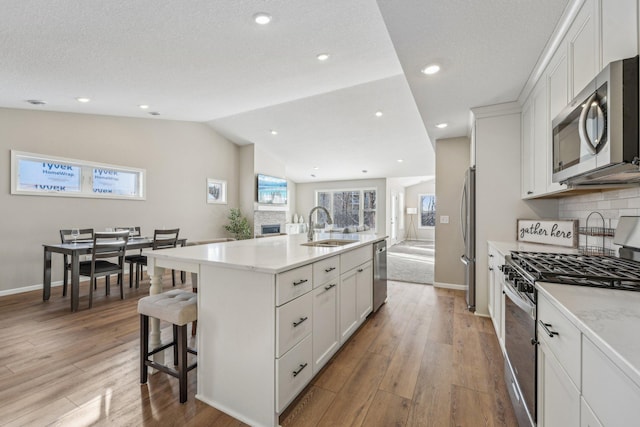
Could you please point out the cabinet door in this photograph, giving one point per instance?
(558, 93)
(348, 313)
(364, 291)
(527, 156)
(584, 47)
(619, 26)
(587, 417)
(558, 398)
(325, 324)
(541, 138)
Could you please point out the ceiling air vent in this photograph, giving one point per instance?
(36, 102)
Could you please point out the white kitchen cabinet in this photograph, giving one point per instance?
(541, 138)
(496, 297)
(348, 313)
(558, 94)
(356, 298)
(584, 47)
(326, 338)
(527, 157)
(587, 417)
(558, 397)
(612, 396)
(619, 30)
(364, 291)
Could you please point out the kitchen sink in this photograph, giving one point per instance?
(330, 243)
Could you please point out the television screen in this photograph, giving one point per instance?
(272, 190)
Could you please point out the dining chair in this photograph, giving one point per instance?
(66, 237)
(131, 259)
(162, 239)
(107, 246)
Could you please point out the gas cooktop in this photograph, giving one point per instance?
(584, 270)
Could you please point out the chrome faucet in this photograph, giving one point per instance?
(329, 221)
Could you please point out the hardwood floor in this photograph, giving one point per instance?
(422, 360)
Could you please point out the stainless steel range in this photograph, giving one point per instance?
(523, 269)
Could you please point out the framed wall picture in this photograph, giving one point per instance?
(549, 232)
(216, 191)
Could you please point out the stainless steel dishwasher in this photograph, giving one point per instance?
(379, 274)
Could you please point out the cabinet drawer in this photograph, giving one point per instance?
(294, 321)
(293, 283)
(325, 270)
(355, 257)
(566, 341)
(612, 395)
(293, 372)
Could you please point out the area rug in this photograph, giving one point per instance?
(411, 261)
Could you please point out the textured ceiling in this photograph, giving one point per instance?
(207, 61)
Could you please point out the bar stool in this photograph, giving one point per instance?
(179, 308)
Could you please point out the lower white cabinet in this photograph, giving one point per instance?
(496, 297)
(293, 371)
(326, 338)
(558, 397)
(356, 299)
(364, 291)
(613, 397)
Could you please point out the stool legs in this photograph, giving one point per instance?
(144, 348)
(179, 355)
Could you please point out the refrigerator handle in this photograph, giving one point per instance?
(463, 216)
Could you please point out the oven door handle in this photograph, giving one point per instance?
(525, 306)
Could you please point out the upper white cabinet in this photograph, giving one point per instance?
(619, 30)
(601, 32)
(584, 46)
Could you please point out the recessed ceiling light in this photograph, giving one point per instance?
(378, 113)
(36, 102)
(316, 168)
(400, 160)
(143, 106)
(442, 125)
(262, 18)
(430, 69)
(274, 132)
(83, 100)
(322, 56)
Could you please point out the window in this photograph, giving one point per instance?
(427, 210)
(348, 208)
(35, 174)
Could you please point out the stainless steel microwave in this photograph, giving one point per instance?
(595, 138)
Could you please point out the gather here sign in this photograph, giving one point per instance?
(549, 232)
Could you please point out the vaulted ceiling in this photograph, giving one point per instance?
(208, 61)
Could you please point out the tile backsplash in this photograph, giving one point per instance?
(611, 204)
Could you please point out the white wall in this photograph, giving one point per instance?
(395, 188)
(178, 158)
(412, 200)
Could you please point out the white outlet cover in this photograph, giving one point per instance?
(444, 219)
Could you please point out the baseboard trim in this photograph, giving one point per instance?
(37, 287)
(454, 286)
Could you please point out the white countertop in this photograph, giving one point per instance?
(506, 247)
(269, 254)
(609, 318)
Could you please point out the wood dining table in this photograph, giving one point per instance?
(75, 250)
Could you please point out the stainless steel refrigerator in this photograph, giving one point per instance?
(468, 226)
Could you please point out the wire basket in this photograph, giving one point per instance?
(597, 231)
(596, 250)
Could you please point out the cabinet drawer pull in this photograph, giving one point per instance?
(490, 255)
(328, 287)
(360, 270)
(300, 282)
(490, 268)
(327, 270)
(546, 327)
(295, 373)
(299, 322)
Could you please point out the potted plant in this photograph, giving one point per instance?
(238, 225)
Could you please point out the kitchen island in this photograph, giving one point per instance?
(271, 313)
